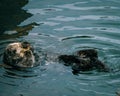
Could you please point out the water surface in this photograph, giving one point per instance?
(65, 27)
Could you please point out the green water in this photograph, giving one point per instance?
(65, 26)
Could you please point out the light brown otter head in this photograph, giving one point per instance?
(19, 54)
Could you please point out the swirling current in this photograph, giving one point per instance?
(61, 27)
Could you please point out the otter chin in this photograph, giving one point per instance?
(19, 55)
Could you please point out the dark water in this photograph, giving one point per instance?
(65, 27)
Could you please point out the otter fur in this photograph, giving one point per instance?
(19, 54)
(84, 60)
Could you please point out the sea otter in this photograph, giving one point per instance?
(84, 60)
(19, 54)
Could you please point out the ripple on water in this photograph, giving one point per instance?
(43, 11)
(85, 17)
(67, 27)
(76, 6)
(75, 37)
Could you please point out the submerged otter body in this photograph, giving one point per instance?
(19, 54)
(84, 60)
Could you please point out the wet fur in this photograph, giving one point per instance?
(19, 54)
(84, 60)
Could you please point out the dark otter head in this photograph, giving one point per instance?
(19, 54)
(87, 53)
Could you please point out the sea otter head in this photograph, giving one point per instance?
(87, 53)
(19, 54)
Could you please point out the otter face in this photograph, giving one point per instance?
(87, 53)
(19, 54)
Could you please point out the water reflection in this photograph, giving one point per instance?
(18, 31)
(12, 14)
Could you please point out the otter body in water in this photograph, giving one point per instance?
(19, 54)
(84, 60)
